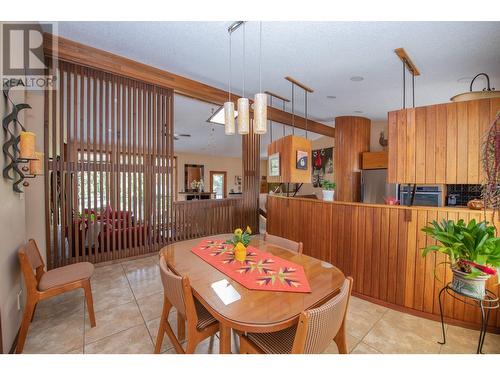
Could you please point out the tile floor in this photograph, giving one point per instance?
(128, 302)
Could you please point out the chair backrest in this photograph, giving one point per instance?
(284, 242)
(319, 326)
(178, 291)
(30, 259)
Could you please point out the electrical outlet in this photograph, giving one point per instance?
(19, 299)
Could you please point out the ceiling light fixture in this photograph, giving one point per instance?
(331, 97)
(358, 111)
(260, 99)
(357, 78)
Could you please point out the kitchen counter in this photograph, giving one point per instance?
(380, 247)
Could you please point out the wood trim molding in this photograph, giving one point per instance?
(82, 54)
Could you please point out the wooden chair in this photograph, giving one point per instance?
(313, 334)
(43, 284)
(284, 242)
(200, 323)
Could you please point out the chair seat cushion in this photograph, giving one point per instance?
(65, 275)
(280, 342)
(204, 317)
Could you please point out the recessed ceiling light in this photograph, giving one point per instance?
(331, 97)
(464, 79)
(357, 78)
(358, 111)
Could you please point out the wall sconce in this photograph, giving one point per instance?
(19, 149)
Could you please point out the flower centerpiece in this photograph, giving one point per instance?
(473, 253)
(328, 190)
(197, 186)
(240, 241)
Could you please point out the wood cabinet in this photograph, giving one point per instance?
(374, 160)
(352, 137)
(380, 246)
(439, 144)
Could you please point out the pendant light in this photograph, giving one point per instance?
(243, 104)
(229, 105)
(260, 99)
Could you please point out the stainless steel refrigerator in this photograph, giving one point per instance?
(374, 186)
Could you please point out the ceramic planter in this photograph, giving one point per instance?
(328, 195)
(473, 287)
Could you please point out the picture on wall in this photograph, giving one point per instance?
(322, 163)
(302, 160)
(274, 165)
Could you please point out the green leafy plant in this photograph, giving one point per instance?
(328, 185)
(472, 248)
(240, 236)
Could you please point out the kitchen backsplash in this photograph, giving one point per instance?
(459, 195)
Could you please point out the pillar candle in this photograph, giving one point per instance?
(27, 145)
(36, 165)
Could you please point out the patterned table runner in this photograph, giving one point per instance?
(260, 270)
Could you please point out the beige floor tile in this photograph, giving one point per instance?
(62, 305)
(76, 351)
(113, 320)
(114, 295)
(134, 340)
(464, 341)
(151, 306)
(208, 346)
(106, 276)
(402, 333)
(362, 348)
(146, 285)
(362, 316)
(55, 334)
(351, 344)
(153, 326)
(133, 266)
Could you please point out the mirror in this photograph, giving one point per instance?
(193, 172)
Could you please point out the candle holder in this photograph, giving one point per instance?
(12, 127)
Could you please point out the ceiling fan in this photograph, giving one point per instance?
(178, 135)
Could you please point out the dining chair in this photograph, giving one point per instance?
(200, 323)
(313, 334)
(296, 247)
(42, 284)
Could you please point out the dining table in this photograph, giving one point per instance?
(257, 310)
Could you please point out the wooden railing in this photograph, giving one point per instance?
(198, 218)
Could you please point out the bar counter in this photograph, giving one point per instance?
(380, 247)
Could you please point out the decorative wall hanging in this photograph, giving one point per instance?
(322, 164)
(491, 167)
(274, 165)
(302, 159)
(19, 147)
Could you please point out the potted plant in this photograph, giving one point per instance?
(328, 190)
(240, 242)
(473, 253)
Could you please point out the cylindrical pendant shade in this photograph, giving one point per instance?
(243, 116)
(36, 165)
(229, 118)
(260, 114)
(27, 145)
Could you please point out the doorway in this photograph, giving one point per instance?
(218, 184)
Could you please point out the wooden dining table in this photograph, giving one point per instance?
(257, 310)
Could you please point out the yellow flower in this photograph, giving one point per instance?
(238, 232)
(249, 230)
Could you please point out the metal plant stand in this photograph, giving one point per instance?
(486, 304)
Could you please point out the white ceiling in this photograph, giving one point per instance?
(322, 55)
(190, 117)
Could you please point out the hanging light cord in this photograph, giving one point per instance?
(306, 112)
(230, 70)
(413, 87)
(244, 60)
(293, 109)
(271, 121)
(404, 84)
(260, 56)
(284, 110)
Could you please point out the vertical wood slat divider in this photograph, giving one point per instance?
(46, 126)
(74, 169)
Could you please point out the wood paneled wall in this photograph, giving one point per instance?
(380, 247)
(352, 138)
(439, 144)
(287, 147)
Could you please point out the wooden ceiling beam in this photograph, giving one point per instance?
(82, 54)
(403, 56)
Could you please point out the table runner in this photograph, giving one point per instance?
(260, 270)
